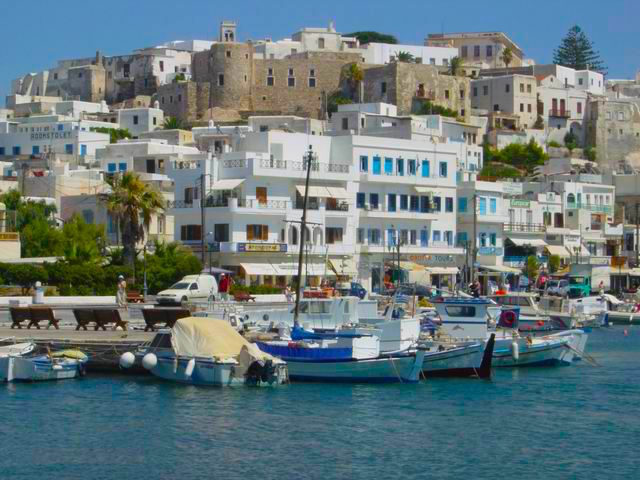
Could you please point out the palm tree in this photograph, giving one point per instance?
(506, 56)
(405, 57)
(172, 123)
(455, 65)
(354, 76)
(132, 202)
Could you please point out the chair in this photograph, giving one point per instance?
(19, 315)
(40, 314)
(84, 317)
(166, 316)
(107, 316)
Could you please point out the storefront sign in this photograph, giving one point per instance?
(262, 247)
(512, 188)
(599, 261)
(9, 237)
(50, 135)
(431, 260)
(519, 203)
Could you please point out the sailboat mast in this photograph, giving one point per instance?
(303, 228)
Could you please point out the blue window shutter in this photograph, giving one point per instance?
(364, 163)
(443, 169)
(35, 149)
(462, 204)
(493, 205)
(2, 151)
(425, 168)
(122, 166)
(83, 149)
(388, 166)
(377, 166)
(111, 168)
(483, 206)
(68, 149)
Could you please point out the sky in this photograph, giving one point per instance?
(38, 33)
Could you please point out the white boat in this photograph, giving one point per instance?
(55, 366)
(202, 351)
(466, 319)
(351, 357)
(443, 359)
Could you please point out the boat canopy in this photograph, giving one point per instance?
(205, 337)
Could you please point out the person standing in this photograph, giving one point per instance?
(121, 293)
(223, 287)
(288, 294)
(601, 288)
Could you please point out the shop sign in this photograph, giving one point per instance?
(599, 261)
(512, 188)
(431, 260)
(262, 248)
(519, 203)
(50, 135)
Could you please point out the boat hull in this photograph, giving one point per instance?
(462, 361)
(36, 369)
(543, 353)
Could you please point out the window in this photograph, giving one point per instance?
(360, 236)
(68, 149)
(483, 239)
(270, 71)
(190, 232)
(291, 81)
(261, 195)
(60, 127)
(221, 79)
(507, 88)
(579, 107)
(476, 50)
(528, 88)
(462, 239)
(321, 43)
(464, 51)
(126, 69)
(83, 149)
(448, 205)
(475, 91)
(436, 235)
(2, 151)
(414, 203)
(425, 204)
(496, 108)
(528, 108)
(412, 167)
(391, 202)
(364, 163)
(443, 169)
(374, 236)
(446, 94)
(257, 232)
(461, 311)
(221, 232)
(437, 203)
(522, 88)
(269, 81)
(425, 168)
(312, 82)
(388, 166)
(345, 123)
(462, 204)
(135, 119)
(620, 116)
(489, 51)
(400, 167)
(377, 166)
(404, 202)
(111, 168)
(485, 90)
(522, 107)
(180, 97)
(374, 201)
(424, 238)
(155, 121)
(333, 235)
(228, 53)
(448, 237)
(482, 210)
(360, 200)
(493, 205)
(461, 94)
(383, 88)
(122, 166)
(413, 237)
(162, 64)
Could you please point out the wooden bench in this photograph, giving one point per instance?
(163, 316)
(99, 317)
(34, 315)
(134, 296)
(243, 297)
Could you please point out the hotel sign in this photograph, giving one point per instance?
(50, 135)
(262, 247)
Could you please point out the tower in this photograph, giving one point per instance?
(228, 31)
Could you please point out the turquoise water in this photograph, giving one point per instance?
(572, 422)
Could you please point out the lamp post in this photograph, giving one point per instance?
(202, 211)
(211, 238)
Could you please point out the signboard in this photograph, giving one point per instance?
(431, 260)
(519, 203)
(599, 261)
(214, 246)
(50, 135)
(9, 237)
(262, 247)
(512, 188)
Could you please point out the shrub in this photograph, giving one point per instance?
(590, 154)
(570, 141)
(256, 289)
(23, 275)
(553, 144)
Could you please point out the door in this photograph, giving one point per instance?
(563, 106)
(554, 106)
(261, 195)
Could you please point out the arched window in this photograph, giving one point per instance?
(571, 198)
(293, 237)
(307, 235)
(483, 239)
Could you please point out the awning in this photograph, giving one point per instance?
(343, 266)
(259, 269)
(423, 189)
(500, 269)
(338, 192)
(315, 191)
(530, 242)
(227, 184)
(311, 269)
(442, 270)
(410, 266)
(558, 251)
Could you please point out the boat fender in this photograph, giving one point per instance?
(149, 361)
(515, 350)
(190, 366)
(127, 359)
(57, 367)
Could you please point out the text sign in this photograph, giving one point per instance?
(262, 247)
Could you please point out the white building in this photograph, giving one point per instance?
(383, 53)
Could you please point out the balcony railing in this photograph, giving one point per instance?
(272, 163)
(179, 204)
(559, 113)
(592, 207)
(340, 207)
(525, 227)
(266, 204)
(236, 163)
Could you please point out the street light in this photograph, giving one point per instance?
(211, 238)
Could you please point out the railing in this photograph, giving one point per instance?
(310, 205)
(340, 207)
(324, 167)
(337, 167)
(266, 204)
(237, 163)
(592, 207)
(185, 164)
(559, 113)
(272, 163)
(179, 204)
(525, 227)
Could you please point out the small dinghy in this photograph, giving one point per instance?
(60, 365)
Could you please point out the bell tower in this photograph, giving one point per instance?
(228, 31)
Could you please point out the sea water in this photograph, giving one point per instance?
(544, 423)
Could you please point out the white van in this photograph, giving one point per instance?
(191, 287)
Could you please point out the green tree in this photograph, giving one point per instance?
(372, 37)
(455, 66)
(23, 275)
(429, 108)
(507, 56)
(115, 134)
(354, 76)
(83, 242)
(168, 264)
(180, 77)
(132, 202)
(576, 51)
(570, 141)
(40, 239)
(335, 99)
(554, 263)
(531, 268)
(405, 57)
(172, 123)
(499, 170)
(590, 154)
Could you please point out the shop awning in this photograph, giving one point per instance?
(501, 269)
(423, 189)
(557, 250)
(442, 270)
(584, 251)
(528, 242)
(259, 269)
(338, 192)
(343, 266)
(408, 266)
(227, 184)
(315, 191)
(311, 269)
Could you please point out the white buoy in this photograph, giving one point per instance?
(190, 366)
(127, 359)
(515, 350)
(149, 361)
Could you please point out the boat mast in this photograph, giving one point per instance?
(306, 161)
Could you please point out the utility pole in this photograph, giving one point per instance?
(637, 235)
(303, 227)
(202, 198)
(474, 252)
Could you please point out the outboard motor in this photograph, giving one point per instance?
(260, 371)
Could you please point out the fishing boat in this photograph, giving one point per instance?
(201, 351)
(347, 356)
(466, 319)
(443, 359)
(20, 367)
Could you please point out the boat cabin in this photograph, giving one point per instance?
(463, 317)
(527, 302)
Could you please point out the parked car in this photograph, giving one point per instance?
(557, 287)
(191, 287)
(411, 289)
(351, 289)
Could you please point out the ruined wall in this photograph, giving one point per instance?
(614, 130)
(187, 101)
(87, 83)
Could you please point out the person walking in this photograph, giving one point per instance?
(121, 293)
(223, 287)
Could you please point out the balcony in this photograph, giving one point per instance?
(592, 207)
(337, 207)
(525, 227)
(559, 113)
(263, 204)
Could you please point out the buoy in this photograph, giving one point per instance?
(149, 361)
(190, 366)
(127, 359)
(515, 350)
(626, 333)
